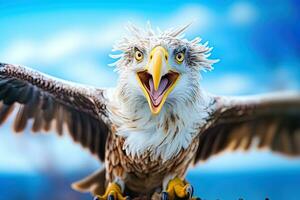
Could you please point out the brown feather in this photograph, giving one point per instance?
(38, 121)
(5, 111)
(21, 119)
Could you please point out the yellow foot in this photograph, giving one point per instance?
(178, 189)
(113, 192)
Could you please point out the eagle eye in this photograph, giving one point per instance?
(138, 55)
(179, 57)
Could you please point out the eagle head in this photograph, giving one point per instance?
(160, 67)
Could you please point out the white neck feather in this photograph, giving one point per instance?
(162, 135)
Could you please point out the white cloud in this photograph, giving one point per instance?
(230, 84)
(19, 51)
(61, 45)
(201, 18)
(242, 13)
(91, 73)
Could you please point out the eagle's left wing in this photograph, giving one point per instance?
(271, 121)
(45, 101)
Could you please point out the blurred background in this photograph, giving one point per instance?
(257, 42)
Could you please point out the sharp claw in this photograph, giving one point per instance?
(127, 198)
(189, 191)
(111, 197)
(164, 196)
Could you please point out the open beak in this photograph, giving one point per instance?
(158, 80)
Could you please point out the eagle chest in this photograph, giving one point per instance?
(145, 166)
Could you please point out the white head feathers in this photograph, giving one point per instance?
(148, 38)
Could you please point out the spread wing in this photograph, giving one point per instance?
(271, 121)
(49, 102)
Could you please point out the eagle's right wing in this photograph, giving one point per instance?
(49, 101)
(268, 121)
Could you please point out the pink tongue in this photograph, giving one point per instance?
(156, 95)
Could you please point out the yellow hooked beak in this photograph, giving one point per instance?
(158, 79)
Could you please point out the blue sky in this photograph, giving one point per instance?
(257, 44)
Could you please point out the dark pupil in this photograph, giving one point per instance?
(139, 55)
(179, 56)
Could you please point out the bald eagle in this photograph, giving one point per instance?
(156, 122)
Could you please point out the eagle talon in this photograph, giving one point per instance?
(127, 198)
(189, 191)
(111, 197)
(178, 189)
(164, 196)
(113, 192)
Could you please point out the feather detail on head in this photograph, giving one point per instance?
(199, 52)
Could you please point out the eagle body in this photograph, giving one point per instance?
(144, 163)
(143, 175)
(156, 122)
